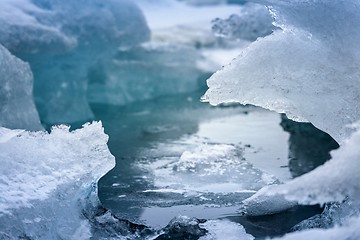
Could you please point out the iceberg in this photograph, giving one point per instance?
(49, 181)
(17, 108)
(306, 69)
(61, 40)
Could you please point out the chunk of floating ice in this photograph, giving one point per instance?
(224, 229)
(262, 204)
(308, 70)
(49, 180)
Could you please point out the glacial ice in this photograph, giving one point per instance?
(48, 181)
(61, 40)
(308, 69)
(17, 108)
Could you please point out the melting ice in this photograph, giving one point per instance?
(120, 62)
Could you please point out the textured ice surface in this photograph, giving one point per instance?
(48, 181)
(209, 168)
(61, 40)
(260, 204)
(17, 108)
(307, 70)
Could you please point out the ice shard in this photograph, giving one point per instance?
(17, 108)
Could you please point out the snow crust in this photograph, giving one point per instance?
(49, 181)
(17, 108)
(308, 69)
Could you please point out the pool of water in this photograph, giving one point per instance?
(177, 156)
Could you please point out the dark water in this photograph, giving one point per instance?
(245, 148)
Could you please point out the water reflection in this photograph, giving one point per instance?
(230, 153)
(309, 147)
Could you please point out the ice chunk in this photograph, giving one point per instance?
(307, 70)
(61, 40)
(224, 229)
(209, 168)
(262, 204)
(252, 22)
(183, 227)
(17, 108)
(49, 181)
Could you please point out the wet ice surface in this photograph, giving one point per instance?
(195, 161)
